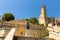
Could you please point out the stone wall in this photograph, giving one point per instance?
(30, 38)
(34, 32)
(54, 35)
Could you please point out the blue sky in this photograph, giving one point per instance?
(29, 8)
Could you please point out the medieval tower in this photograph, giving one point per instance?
(43, 16)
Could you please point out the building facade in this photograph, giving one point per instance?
(45, 20)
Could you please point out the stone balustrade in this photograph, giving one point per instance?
(54, 35)
(10, 34)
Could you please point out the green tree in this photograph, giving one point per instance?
(33, 20)
(8, 17)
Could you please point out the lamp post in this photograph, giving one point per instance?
(1, 22)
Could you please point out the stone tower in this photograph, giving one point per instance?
(43, 16)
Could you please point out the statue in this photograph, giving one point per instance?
(27, 25)
(27, 34)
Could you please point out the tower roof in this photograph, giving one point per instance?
(43, 11)
(44, 6)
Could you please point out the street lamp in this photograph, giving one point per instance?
(1, 24)
(0, 21)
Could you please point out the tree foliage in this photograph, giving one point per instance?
(8, 17)
(33, 20)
